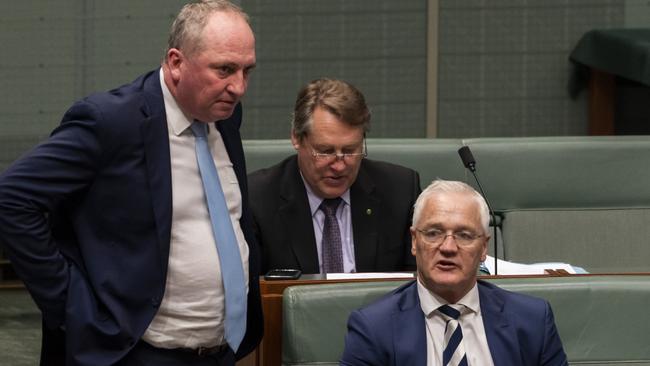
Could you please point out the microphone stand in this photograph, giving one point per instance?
(469, 162)
(494, 219)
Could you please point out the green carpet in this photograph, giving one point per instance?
(20, 329)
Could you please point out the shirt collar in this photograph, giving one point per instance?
(429, 301)
(176, 119)
(315, 201)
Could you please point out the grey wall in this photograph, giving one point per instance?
(380, 46)
(54, 52)
(504, 69)
(503, 64)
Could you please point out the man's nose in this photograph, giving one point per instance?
(338, 163)
(238, 83)
(448, 243)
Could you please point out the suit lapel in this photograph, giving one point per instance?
(365, 207)
(409, 341)
(156, 148)
(501, 339)
(295, 215)
(229, 130)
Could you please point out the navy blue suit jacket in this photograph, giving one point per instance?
(86, 218)
(520, 330)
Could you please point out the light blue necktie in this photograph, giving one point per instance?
(232, 271)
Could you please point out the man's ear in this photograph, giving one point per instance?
(295, 141)
(413, 241)
(174, 60)
(484, 250)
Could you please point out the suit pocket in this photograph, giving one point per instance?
(82, 306)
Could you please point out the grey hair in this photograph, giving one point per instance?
(185, 33)
(449, 186)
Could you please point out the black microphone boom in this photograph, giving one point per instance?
(469, 163)
(467, 158)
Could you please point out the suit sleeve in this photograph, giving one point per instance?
(360, 349)
(33, 192)
(552, 353)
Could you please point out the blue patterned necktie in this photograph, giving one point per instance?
(232, 271)
(331, 242)
(454, 351)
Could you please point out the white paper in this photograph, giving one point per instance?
(512, 268)
(371, 275)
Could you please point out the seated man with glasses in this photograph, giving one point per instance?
(447, 316)
(328, 209)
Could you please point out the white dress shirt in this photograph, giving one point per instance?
(191, 313)
(471, 322)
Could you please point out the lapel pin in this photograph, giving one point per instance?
(368, 211)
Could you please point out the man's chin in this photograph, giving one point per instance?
(222, 112)
(447, 278)
(333, 192)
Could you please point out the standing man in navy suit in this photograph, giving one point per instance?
(107, 224)
(447, 316)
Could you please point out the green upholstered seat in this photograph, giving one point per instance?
(587, 312)
(582, 200)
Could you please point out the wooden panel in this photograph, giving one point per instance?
(602, 87)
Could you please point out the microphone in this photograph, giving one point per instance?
(467, 158)
(468, 161)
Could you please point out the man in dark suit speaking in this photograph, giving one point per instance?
(327, 209)
(130, 225)
(447, 317)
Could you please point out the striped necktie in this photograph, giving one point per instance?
(232, 271)
(454, 351)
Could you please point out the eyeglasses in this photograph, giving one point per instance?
(436, 237)
(329, 158)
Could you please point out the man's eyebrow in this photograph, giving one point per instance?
(223, 64)
(440, 226)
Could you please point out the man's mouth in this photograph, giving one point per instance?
(446, 265)
(334, 180)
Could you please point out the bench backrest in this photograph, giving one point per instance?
(588, 313)
(583, 200)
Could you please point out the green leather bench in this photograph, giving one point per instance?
(585, 308)
(583, 200)
(432, 158)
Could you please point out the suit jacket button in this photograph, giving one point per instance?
(155, 302)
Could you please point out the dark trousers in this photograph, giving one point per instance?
(144, 354)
